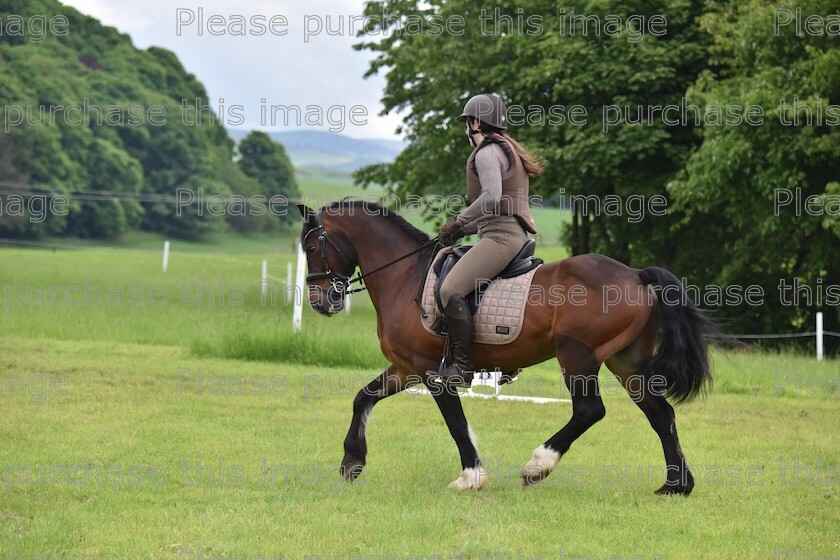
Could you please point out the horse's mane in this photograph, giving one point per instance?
(424, 257)
(375, 209)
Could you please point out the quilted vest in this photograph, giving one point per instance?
(514, 185)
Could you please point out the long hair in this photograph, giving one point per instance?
(533, 164)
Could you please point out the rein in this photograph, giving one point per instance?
(336, 277)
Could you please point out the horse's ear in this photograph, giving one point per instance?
(306, 212)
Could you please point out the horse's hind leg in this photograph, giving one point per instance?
(389, 382)
(473, 476)
(629, 367)
(580, 371)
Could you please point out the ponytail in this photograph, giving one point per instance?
(533, 164)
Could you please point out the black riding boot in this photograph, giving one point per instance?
(459, 321)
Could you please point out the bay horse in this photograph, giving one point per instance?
(581, 333)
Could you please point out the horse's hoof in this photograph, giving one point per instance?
(534, 473)
(671, 489)
(683, 486)
(540, 466)
(531, 478)
(351, 471)
(470, 479)
(668, 489)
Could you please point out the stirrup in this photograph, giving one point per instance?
(463, 377)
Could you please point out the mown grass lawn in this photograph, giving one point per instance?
(147, 467)
(203, 473)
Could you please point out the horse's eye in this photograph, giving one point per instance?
(310, 249)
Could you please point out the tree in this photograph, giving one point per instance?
(543, 72)
(98, 67)
(266, 161)
(720, 180)
(734, 186)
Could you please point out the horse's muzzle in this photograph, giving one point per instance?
(329, 302)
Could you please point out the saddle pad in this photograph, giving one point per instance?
(498, 319)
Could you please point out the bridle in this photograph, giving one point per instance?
(335, 277)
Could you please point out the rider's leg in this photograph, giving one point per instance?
(490, 256)
(459, 322)
(499, 241)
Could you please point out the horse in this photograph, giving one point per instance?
(652, 337)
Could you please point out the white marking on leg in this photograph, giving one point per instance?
(364, 420)
(542, 462)
(473, 438)
(472, 478)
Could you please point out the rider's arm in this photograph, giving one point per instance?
(490, 163)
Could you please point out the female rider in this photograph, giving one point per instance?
(497, 189)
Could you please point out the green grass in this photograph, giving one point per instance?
(209, 301)
(120, 411)
(119, 366)
(250, 244)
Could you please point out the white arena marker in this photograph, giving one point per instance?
(487, 379)
(300, 288)
(165, 255)
(491, 380)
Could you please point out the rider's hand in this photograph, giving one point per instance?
(450, 232)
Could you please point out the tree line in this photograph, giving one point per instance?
(86, 110)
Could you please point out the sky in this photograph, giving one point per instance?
(307, 63)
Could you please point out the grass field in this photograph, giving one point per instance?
(115, 446)
(165, 468)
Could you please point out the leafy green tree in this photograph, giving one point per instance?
(545, 71)
(267, 162)
(720, 181)
(106, 219)
(268, 165)
(737, 226)
(97, 66)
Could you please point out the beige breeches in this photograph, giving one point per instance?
(500, 239)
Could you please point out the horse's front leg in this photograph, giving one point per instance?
(473, 476)
(389, 382)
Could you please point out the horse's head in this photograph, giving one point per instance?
(330, 259)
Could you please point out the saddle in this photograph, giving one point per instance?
(522, 263)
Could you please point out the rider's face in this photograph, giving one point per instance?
(470, 137)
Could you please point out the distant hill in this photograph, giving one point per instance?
(327, 150)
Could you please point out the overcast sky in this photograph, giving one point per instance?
(301, 68)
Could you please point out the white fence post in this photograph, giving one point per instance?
(165, 255)
(819, 336)
(264, 281)
(288, 282)
(297, 315)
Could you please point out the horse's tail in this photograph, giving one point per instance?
(682, 357)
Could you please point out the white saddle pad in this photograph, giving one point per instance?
(500, 314)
